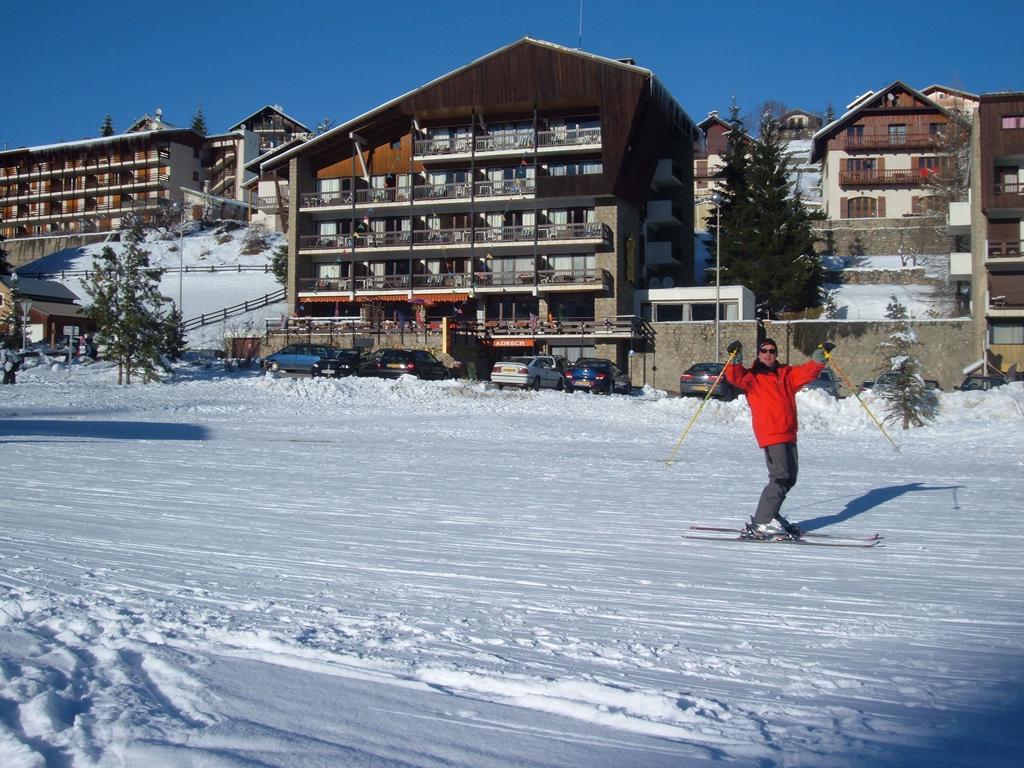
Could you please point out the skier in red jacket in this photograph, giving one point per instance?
(771, 393)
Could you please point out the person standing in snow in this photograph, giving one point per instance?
(771, 390)
(9, 362)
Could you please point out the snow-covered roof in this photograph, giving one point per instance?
(117, 137)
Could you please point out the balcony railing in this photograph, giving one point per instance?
(421, 192)
(911, 177)
(508, 142)
(1009, 195)
(266, 203)
(895, 141)
(546, 278)
(593, 231)
(1004, 249)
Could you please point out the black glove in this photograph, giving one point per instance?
(734, 347)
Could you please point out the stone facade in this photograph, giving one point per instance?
(946, 347)
(880, 237)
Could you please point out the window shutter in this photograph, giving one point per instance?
(881, 206)
(881, 164)
(844, 209)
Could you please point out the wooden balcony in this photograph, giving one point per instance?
(594, 233)
(896, 178)
(424, 284)
(896, 142)
(516, 142)
(1004, 249)
(1008, 196)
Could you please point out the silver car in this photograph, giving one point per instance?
(535, 372)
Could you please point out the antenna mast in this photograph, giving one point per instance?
(581, 26)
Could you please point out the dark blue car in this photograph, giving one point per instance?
(596, 374)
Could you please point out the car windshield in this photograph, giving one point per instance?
(519, 360)
(591, 362)
(713, 368)
(346, 355)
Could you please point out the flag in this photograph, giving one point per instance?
(533, 321)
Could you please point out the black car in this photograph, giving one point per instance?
(698, 379)
(978, 382)
(392, 363)
(596, 374)
(337, 363)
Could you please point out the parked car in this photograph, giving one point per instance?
(296, 358)
(978, 382)
(697, 380)
(338, 363)
(826, 382)
(534, 372)
(392, 363)
(596, 374)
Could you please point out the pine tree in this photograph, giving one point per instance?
(199, 121)
(127, 305)
(907, 398)
(107, 129)
(830, 114)
(5, 266)
(767, 243)
(172, 337)
(279, 264)
(12, 321)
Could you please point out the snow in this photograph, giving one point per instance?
(233, 569)
(201, 291)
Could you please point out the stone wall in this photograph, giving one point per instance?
(27, 250)
(946, 347)
(879, 237)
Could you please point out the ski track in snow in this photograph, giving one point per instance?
(498, 550)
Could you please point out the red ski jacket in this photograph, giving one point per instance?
(772, 397)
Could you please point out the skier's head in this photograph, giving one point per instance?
(768, 353)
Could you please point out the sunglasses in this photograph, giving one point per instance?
(769, 350)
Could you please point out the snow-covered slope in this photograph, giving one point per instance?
(238, 570)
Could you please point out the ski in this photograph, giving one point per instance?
(811, 534)
(859, 544)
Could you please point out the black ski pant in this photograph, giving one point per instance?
(782, 468)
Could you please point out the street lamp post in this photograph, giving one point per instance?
(716, 198)
(26, 305)
(181, 262)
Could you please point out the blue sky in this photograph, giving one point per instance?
(70, 62)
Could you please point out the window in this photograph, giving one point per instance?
(861, 208)
(860, 163)
(897, 134)
(1006, 333)
(669, 313)
(1013, 121)
(855, 134)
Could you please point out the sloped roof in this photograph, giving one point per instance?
(32, 288)
(269, 108)
(820, 139)
(343, 130)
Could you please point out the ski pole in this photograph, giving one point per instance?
(856, 393)
(704, 402)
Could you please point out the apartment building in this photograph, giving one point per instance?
(272, 127)
(90, 185)
(224, 158)
(997, 229)
(528, 195)
(877, 158)
(708, 159)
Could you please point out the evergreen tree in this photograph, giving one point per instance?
(830, 114)
(324, 126)
(767, 243)
(907, 399)
(172, 337)
(127, 305)
(279, 264)
(5, 265)
(107, 129)
(12, 321)
(199, 121)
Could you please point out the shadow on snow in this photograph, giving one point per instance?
(108, 430)
(873, 498)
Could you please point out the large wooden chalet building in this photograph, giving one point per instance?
(538, 188)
